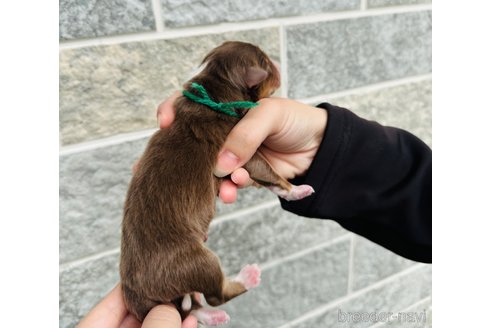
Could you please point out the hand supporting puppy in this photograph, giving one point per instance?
(112, 313)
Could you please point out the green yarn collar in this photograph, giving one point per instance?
(224, 108)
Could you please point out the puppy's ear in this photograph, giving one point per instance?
(255, 76)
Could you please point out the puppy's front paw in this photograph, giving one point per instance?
(249, 276)
(295, 193)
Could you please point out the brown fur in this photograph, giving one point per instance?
(171, 198)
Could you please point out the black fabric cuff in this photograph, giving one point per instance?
(320, 172)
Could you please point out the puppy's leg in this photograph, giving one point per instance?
(262, 173)
(248, 278)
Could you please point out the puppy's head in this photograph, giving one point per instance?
(245, 67)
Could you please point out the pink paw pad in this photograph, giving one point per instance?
(249, 276)
(295, 193)
(211, 317)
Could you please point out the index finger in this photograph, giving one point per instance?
(246, 137)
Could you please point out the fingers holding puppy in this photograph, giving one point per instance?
(228, 187)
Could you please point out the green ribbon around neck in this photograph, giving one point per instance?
(224, 108)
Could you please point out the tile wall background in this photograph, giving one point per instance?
(120, 58)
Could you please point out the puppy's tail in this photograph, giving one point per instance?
(186, 303)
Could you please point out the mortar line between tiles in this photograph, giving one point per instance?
(244, 211)
(368, 88)
(405, 310)
(105, 142)
(242, 26)
(90, 258)
(296, 255)
(284, 77)
(131, 136)
(324, 308)
(351, 264)
(159, 19)
(226, 217)
(422, 301)
(363, 4)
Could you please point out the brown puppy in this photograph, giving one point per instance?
(171, 198)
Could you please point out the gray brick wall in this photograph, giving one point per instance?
(120, 58)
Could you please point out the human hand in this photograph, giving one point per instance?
(111, 312)
(288, 133)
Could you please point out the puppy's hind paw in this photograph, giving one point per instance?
(211, 317)
(249, 276)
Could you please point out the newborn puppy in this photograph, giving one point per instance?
(171, 198)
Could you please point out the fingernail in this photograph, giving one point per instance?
(226, 163)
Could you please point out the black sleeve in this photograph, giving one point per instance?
(374, 181)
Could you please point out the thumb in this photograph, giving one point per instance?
(243, 140)
(162, 316)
